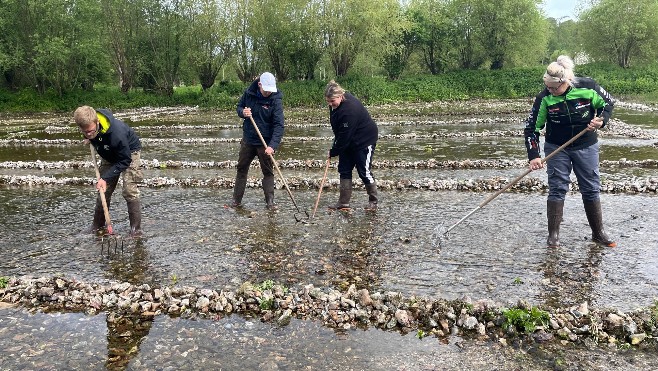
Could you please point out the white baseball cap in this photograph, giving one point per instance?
(268, 82)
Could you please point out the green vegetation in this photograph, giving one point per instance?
(3, 282)
(518, 281)
(640, 83)
(53, 55)
(525, 320)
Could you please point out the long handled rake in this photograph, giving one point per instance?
(108, 222)
(324, 177)
(510, 184)
(276, 166)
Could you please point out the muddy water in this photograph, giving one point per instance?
(192, 239)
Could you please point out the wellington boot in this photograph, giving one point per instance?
(554, 211)
(345, 195)
(135, 217)
(371, 189)
(99, 219)
(238, 190)
(268, 190)
(595, 219)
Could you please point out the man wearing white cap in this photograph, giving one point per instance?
(264, 102)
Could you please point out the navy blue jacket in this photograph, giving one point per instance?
(115, 143)
(268, 114)
(352, 125)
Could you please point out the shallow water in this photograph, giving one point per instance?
(192, 239)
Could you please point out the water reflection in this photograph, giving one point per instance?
(571, 280)
(125, 334)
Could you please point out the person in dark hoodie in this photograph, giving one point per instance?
(264, 103)
(355, 139)
(566, 106)
(119, 148)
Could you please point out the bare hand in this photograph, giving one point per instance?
(595, 124)
(269, 151)
(101, 185)
(536, 164)
(246, 112)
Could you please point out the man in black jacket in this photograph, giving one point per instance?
(119, 148)
(264, 102)
(355, 139)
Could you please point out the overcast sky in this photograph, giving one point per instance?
(560, 8)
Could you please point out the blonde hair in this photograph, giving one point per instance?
(560, 71)
(85, 116)
(333, 90)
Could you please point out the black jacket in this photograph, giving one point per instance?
(268, 114)
(115, 143)
(352, 125)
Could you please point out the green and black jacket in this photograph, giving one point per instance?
(566, 115)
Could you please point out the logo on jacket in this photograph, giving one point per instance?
(106, 147)
(582, 104)
(266, 106)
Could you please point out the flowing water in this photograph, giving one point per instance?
(499, 253)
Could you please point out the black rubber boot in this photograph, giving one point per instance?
(135, 217)
(345, 195)
(371, 189)
(99, 218)
(595, 219)
(238, 190)
(554, 211)
(268, 189)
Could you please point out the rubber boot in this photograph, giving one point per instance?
(268, 189)
(371, 189)
(99, 218)
(135, 217)
(554, 211)
(595, 219)
(345, 195)
(238, 190)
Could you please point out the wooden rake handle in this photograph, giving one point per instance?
(324, 177)
(108, 222)
(276, 166)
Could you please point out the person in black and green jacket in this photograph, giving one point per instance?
(567, 106)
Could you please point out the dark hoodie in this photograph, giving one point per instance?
(115, 143)
(352, 125)
(268, 114)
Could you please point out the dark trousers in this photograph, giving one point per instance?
(247, 154)
(359, 158)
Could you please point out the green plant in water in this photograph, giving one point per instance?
(174, 279)
(3, 282)
(266, 304)
(525, 320)
(428, 149)
(265, 285)
(420, 334)
(269, 285)
(518, 281)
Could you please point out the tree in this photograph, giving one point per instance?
(124, 26)
(511, 32)
(247, 46)
(621, 31)
(52, 44)
(434, 31)
(161, 46)
(356, 26)
(210, 43)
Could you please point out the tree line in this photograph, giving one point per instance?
(155, 45)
